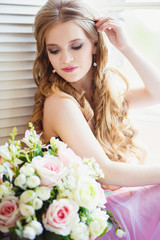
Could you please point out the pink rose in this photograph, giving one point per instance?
(50, 169)
(9, 213)
(67, 156)
(60, 216)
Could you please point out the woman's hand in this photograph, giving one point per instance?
(115, 31)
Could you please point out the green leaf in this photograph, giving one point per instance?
(38, 152)
(67, 238)
(19, 225)
(84, 215)
(104, 232)
(19, 233)
(17, 172)
(5, 178)
(110, 222)
(110, 214)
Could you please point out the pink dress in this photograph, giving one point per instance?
(138, 211)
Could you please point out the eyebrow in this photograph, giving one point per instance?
(74, 40)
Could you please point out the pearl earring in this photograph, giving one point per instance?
(94, 61)
(53, 71)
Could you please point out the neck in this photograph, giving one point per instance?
(85, 84)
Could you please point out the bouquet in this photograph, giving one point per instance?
(48, 192)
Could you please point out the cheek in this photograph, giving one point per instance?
(52, 60)
(87, 60)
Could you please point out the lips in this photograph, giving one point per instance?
(69, 69)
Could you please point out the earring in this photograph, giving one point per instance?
(94, 61)
(53, 71)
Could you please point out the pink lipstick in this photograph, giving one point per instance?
(69, 69)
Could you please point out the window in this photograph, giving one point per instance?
(142, 20)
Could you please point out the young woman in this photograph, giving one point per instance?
(76, 101)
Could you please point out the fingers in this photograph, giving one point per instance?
(100, 21)
(107, 23)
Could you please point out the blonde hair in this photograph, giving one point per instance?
(112, 127)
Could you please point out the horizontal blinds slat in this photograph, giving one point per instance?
(15, 75)
(16, 112)
(17, 47)
(16, 66)
(16, 38)
(24, 2)
(20, 56)
(15, 121)
(18, 10)
(12, 103)
(16, 83)
(17, 93)
(16, 19)
(20, 87)
(8, 28)
(6, 131)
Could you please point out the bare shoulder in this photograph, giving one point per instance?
(58, 112)
(60, 104)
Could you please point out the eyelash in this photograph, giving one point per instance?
(74, 48)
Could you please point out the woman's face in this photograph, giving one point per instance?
(70, 51)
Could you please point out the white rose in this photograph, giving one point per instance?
(80, 231)
(33, 181)
(27, 196)
(27, 169)
(37, 226)
(43, 193)
(37, 203)
(88, 193)
(20, 181)
(99, 223)
(29, 232)
(26, 210)
(120, 233)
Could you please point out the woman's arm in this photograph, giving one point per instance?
(150, 76)
(66, 120)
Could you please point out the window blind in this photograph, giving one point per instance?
(17, 52)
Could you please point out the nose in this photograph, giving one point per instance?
(66, 57)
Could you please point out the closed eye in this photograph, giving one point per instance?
(77, 47)
(53, 52)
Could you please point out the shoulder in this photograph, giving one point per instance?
(60, 103)
(60, 111)
(58, 114)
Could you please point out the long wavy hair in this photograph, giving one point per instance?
(112, 128)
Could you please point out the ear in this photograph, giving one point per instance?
(94, 48)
